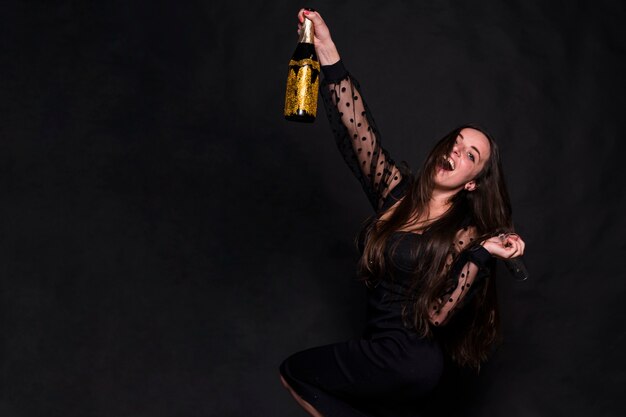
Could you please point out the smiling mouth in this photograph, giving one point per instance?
(447, 163)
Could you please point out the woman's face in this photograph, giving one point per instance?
(468, 157)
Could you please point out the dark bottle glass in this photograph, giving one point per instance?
(303, 78)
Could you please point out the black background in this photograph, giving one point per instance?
(166, 238)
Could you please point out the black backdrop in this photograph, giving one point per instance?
(167, 238)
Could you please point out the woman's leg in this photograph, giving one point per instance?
(317, 381)
(362, 378)
(307, 407)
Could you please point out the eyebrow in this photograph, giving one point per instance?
(471, 146)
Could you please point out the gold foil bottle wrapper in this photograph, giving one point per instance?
(307, 32)
(302, 87)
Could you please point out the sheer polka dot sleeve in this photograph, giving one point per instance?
(356, 135)
(467, 272)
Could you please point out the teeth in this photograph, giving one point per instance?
(448, 163)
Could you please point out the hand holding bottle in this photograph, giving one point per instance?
(324, 45)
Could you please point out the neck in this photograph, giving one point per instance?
(440, 201)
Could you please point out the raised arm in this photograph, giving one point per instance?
(355, 132)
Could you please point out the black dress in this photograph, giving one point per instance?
(389, 370)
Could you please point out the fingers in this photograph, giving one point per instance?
(514, 242)
(505, 247)
(310, 14)
(514, 248)
(517, 242)
(301, 15)
(305, 12)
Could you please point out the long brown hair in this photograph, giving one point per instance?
(469, 337)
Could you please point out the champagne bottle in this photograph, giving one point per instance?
(303, 78)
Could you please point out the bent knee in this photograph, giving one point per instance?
(284, 382)
(282, 371)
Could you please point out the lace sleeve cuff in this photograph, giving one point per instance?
(335, 72)
(479, 255)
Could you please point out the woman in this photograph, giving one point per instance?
(426, 259)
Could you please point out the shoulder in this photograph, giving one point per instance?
(396, 194)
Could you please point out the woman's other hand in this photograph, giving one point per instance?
(505, 246)
(324, 45)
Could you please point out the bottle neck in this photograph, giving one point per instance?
(307, 32)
